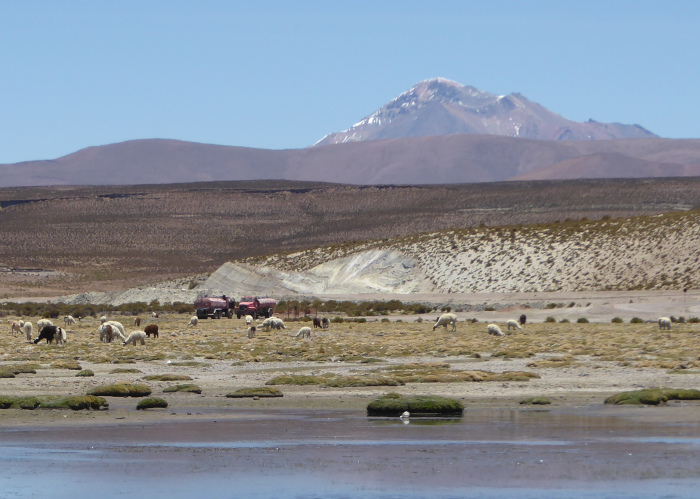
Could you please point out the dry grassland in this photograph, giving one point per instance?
(353, 361)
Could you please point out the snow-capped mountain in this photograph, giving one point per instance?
(443, 107)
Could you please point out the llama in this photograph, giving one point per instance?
(304, 333)
(251, 332)
(16, 328)
(523, 319)
(248, 320)
(664, 323)
(61, 337)
(446, 319)
(137, 321)
(194, 320)
(42, 323)
(48, 333)
(69, 320)
(325, 323)
(118, 326)
(135, 336)
(151, 329)
(28, 329)
(494, 329)
(513, 324)
(317, 323)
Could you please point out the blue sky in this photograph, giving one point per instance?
(278, 74)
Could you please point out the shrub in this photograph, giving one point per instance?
(167, 377)
(564, 321)
(550, 319)
(429, 405)
(536, 401)
(636, 320)
(617, 320)
(85, 373)
(652, 396)
(582, 320)
(262, 392)
(121, 390)
(151, 403)
(187, 388)
(66, 364)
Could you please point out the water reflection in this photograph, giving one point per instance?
(487, 454)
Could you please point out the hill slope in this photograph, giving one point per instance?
(447, 159)
(642, 253)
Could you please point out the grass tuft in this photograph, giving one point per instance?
(85, 373)
(262, 392)
(167, 377)
(187, 388)
(73, 402)
(121, 390)
(151, 403)
(429, 405)
(536, 401)
(652, 396)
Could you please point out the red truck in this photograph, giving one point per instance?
(214, 307)
(257, 307)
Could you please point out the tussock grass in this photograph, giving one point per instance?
(393, 405)
(66, 364)
(73, 402)
(123, 370)
(261, 392)
(167, 377)
(334, 380)
(536, 401)
(121, 390)
(85, 373)
(187, 388)
(151, 403)
(652, 396)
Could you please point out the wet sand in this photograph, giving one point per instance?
(489, 452)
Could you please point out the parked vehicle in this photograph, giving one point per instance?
(214, 307)
(257, 307)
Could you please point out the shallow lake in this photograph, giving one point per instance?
(332, 454)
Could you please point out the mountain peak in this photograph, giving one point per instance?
(439, 106)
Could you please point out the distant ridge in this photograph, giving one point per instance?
(443, 107)
(447, 159)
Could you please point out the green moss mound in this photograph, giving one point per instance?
(74, 402)
(652, 396)
(183, 388)
(121, 390)
(152, 403)
(428, 405)
(85, 373)
(167, 377)
(262, 392)
(125, 370)
(536, 401)
(11, 370)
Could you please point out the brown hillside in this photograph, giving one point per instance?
(446, 159)
(103, 238)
